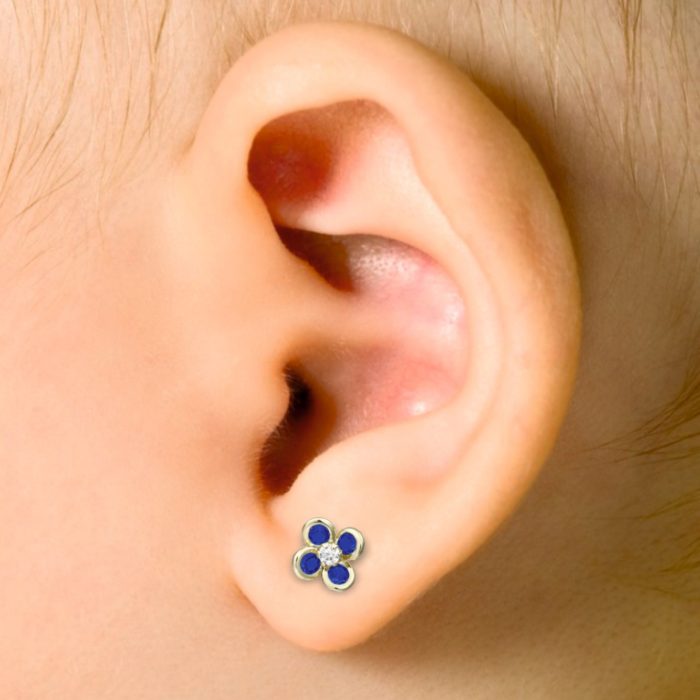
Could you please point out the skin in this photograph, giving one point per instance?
(144, 350)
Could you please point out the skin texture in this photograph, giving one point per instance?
(521, 354)
(143, 356)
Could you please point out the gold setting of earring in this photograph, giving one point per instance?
(328, 555)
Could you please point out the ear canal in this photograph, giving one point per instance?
(346, 170)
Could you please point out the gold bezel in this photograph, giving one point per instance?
(296, 564)
(359, 538)
(311, 548)
(317, 521)
(335, 587)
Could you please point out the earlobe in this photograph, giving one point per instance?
(418, 281)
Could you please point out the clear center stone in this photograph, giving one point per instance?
(329, 554)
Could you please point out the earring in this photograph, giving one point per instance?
(328, 555)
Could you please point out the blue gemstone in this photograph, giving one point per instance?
(318, 534)
(347, 543)
(338, 574)
(310, 564)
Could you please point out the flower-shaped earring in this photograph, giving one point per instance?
(328, 555)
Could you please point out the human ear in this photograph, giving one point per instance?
(357, 224)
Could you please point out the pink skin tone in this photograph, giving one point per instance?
(344, 204)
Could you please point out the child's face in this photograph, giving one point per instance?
(155, 317)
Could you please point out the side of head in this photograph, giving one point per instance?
(331, 280)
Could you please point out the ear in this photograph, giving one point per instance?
(403, 305)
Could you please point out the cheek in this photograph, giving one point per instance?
(106, 469)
